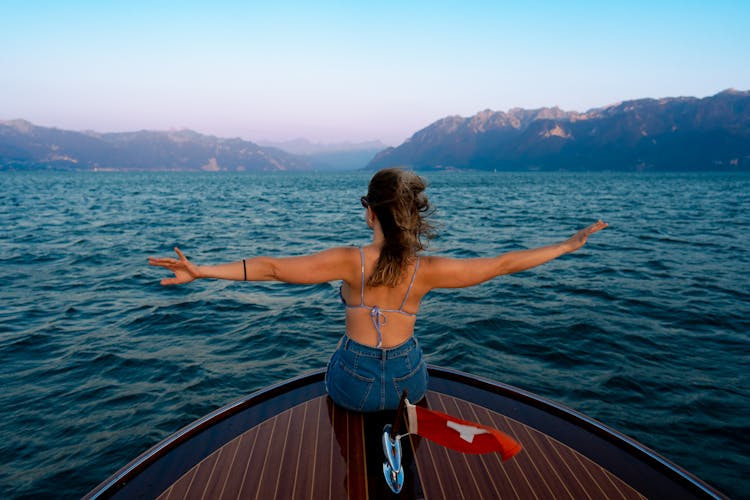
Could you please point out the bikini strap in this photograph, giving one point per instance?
(362, 292)
(411, 284)
(378, 320)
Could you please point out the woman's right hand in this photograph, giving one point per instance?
(184, 270)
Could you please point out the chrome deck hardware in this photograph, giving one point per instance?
(392, 468)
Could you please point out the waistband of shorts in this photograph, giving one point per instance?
(379, 352)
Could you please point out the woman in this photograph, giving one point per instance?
(383, 284)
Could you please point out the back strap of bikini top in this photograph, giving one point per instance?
(408, 290)
(379, 319)
(362, 291)
(411, 284)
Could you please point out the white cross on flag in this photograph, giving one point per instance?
(459, 435)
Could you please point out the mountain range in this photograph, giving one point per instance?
(670, 134)
(27, 146)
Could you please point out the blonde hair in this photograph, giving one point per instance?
(397, 197)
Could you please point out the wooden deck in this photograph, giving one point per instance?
(289, 441)
(317, 450)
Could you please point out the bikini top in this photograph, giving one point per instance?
(376, 313)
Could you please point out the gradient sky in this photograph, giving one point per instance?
(334, 71)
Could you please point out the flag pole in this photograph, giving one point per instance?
(398, 419)
(393, 470)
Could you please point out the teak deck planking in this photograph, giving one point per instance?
(316, 450)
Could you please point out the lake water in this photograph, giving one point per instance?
(645, 329)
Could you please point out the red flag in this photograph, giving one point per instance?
(459, 435)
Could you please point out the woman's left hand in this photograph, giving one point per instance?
(579, 239)
(184, 270)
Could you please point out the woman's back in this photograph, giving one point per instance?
(381, 316)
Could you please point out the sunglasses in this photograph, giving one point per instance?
(364, 201)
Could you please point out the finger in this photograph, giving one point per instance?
(595, 228)
(165, 262)
(182, 256)
(162, 259)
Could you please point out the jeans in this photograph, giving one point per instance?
(364, 378)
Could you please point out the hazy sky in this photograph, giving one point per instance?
(332, 71)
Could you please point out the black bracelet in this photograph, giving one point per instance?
(244, 268)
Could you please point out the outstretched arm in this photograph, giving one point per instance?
(459, 273)
(328, 265)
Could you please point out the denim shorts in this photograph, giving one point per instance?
(364, 378)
